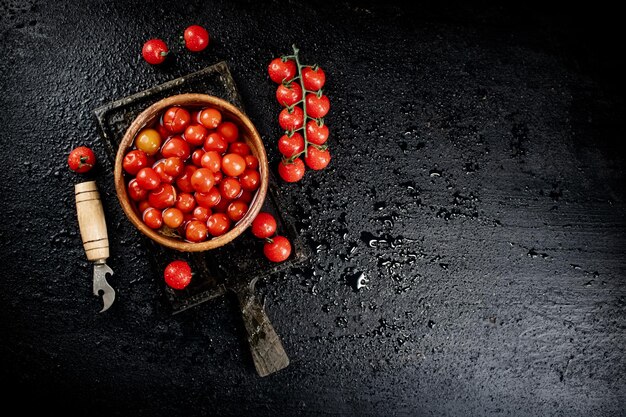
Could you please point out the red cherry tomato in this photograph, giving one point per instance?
(289, 94)
(81, 159)
(173, 217)
(317, 107)
(291, 119)
(313, 79)
(210, 118)
(196, 157)
(218, 177)
(233, 164)
(176, 119)
(218, 224)
(196, 231)
(135, 192)
(209, 199)
(134, 160)
(252, 162)
(278, 249)
(202, 180)
(236, 210)
(148, 179)
(289, 146)
(264, 225)
(154, 51)
(230, 188)
(222, 205)
(291, 172)
(316, 133)
(317, 159)
(159, 168)
(246, 196)
(184, 181)
(152, 218)
(195, 134)
(211, 160)
(280, 70)
(250, 179)
(215, 142)
(196, 38)
(177, 275)
(229, 131)
(143, 205)
(176, 146)
(185, 202)
(174, 166)
(162, 197)
(201, 214)
(240, 148)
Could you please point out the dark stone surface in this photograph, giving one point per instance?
(477, 181)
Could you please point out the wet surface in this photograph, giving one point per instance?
(476, 184)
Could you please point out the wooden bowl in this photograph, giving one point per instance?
(246, 130)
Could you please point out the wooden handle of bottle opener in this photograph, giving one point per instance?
(91, 221)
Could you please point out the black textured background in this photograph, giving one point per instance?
(477, 180)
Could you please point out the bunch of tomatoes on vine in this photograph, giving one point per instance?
(300, 92)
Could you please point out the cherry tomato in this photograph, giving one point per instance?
(317, 107)
(154, 51)
(152, 218)
(240, 148)
(211, 160)
(229, 131)
(280, 70)
(317, 159)
(233, 164)
(134, 161)
(218, 177)
(174, 166)
(291, 172)
(316, 133)
(313, 78)
(163, 132)
(184, 181)
(236, 210)
(210, 118)
(264, 225)
(230, 188)
(196, 231)
(177, 275)
(201, 214)
(173, 217)
(176, 146)
(215, 142)
(176, 119)
(185, 202)
(159, 168)
(162, 197)
(289, 146)
(148, 179)
(202, 180)
(135, 192)
(252, 162)
(218, 224)
(209, 199)
(149, 141)
(222, 205)
(195, 134)
(250, 179)
(291, 119)
(289, 94)
(81, 159)
(196, 157)
(196, 38)
(278, 249)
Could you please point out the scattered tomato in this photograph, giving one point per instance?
(81, 159)
(178, 275)
(264, 225)
(196, 38)
(277, 249)
(154, 51)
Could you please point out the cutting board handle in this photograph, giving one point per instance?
(265, 345)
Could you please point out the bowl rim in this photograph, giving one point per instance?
(251, 135)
